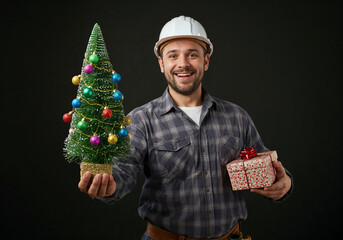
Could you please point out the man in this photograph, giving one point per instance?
(182, 142)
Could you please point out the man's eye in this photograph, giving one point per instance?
(193, 55)
(172, 56)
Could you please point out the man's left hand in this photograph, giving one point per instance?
(280, 187)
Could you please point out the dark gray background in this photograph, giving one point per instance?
(280, 60)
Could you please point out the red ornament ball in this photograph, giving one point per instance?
(67, 117)
(107, 113)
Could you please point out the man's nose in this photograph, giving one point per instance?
(183, 61)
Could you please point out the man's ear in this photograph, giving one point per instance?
(160, 61)
(206, 61)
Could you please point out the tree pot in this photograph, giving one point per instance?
(96, 168)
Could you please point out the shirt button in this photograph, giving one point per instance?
(205, 172)
(202, 149)
(209, 211)
(207, 190)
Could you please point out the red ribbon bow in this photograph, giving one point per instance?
(248, 153)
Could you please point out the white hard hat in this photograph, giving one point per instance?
(183, 27)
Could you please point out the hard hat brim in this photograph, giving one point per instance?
(161, 41)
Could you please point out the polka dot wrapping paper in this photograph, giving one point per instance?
(257, 172)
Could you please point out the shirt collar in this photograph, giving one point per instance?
(167, 104)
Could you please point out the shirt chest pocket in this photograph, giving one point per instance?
(173, 158)
(230, 148)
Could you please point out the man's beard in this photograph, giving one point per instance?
(184, 91)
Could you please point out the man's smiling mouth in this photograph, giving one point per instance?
(184, 75)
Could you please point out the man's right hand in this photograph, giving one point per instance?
(103, 185)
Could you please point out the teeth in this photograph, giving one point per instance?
(183, 74)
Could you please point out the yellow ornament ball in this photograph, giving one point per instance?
(127, 120)
(112, 139)
(76, 80)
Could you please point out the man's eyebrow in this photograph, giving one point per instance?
(193, 50)
(171, 51)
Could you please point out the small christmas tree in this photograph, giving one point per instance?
(97, 133)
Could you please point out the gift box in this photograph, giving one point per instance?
(252, 170)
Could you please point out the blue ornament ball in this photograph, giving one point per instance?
(117, 95)
(123, 133)
(116, 77)
(76, 103)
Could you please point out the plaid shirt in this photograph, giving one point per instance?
(187, 189)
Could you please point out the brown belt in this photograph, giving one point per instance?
(159, 234)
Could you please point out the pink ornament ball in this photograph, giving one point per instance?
(88, 69)
(95, 140)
